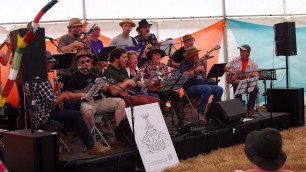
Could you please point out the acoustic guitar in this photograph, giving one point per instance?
(240, 75)
(156, 86)
(201, 60)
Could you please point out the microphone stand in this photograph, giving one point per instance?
(51, 40)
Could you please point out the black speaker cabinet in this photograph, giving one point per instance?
(227, 112)
(33, 66)
(288, 100)
(285, 41)
(24, 151)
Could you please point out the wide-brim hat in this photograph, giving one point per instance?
(187, 37)
(127, 20)
(191, 51)
(49, 57)
(264, 149)
(155, 49)
(245, 47)
(142, 23)
(75, 22)
(82, 53)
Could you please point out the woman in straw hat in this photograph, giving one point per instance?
(264, 149)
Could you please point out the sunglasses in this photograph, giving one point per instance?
(83, 62)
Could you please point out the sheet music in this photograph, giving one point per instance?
(167, 45)
(99, 82)
(243, 84)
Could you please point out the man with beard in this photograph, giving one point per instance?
(68, 43)
(124, 39)
(145, 37)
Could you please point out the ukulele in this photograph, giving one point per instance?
(129, 87)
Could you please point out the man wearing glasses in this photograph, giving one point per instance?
(85, 78)
(68, 43)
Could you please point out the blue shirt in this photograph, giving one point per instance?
(191, 81)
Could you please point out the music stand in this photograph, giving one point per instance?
(217, 70)
(99, 82)
(104, 53)
(246, 86)
(63, 60)
(174, 82)
(167, 46)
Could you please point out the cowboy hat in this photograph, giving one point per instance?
(187, 37)
(155, 49)
(191, 51)
(142, 23)
(264, 149)
(82, 53)
(127, 20)
(75, 22)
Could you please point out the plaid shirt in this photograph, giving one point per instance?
(143, 41)
(44, 97)
(236, 65)
(150, 74)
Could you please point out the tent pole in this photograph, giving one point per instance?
(84, 11)
(225, 50)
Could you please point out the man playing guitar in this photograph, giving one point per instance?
(243, 64)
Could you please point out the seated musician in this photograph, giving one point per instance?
(133, 71)
(84, 79)
(47, 109)
(195, 85)
(117, 73)
(243, 65)
(157, 72)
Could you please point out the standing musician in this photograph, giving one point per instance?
(124, 39)
(243, 64)
(116, 72)
(82, 80)
(144, 36)
(195, 85)
(68, 43)
(157, 72)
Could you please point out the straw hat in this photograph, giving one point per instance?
(82, 53)
(154, 49)
(264, 149)
(75, 22)
(191, 51)
(127, 20)
(187, 37)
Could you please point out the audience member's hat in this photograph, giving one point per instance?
(155, 49)
(187, 37)
(245, 47)
(82, 53)
(49, 57)
(191, 51)
(75, 22)
(264, 149)
(127, 20)
(91, 26)
(142, 23)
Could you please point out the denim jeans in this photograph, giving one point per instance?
(74, 120)
(205, 91)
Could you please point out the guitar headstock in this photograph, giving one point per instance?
(216, 47)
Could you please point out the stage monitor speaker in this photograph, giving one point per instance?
(288, 100)
(285, 41)
(33, 66)
(227, 112)
(26, 151)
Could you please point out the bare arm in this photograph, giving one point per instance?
(74, 96)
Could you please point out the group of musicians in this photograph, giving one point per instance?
(123, 73)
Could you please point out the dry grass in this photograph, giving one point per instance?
(233, 158)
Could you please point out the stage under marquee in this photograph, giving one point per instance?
(200, 141)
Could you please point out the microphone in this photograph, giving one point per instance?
(84, 68)
(51, 39)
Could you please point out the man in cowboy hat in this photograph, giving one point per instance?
(48, 102)
(124, 39)
(264, 149)
(158, 71)
(195, 85)
(243, 64)
(178, 57)
(68, 43)
(85, 78)
(144, 37)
